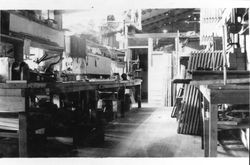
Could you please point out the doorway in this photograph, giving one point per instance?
(160, 79)
(141, 69)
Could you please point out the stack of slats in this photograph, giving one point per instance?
(205, 60)
(189, 121)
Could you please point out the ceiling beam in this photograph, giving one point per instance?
(181, 22)
(137, 47)
(161, 21)
(154, 35)
(163, 35)
(154, 13)
(155, 18)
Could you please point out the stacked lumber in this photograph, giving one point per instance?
(189, 120)
(205, 60)
(11, 103)
(9, 124)
(9, 121)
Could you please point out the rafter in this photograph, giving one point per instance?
(164, 20)
(181, 22)
(155, 18)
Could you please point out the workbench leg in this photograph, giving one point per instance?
(96, 98)
(139, 95)
(213, 112)
(22, 139)
(206, 137)
(86, 103)
(205, 127)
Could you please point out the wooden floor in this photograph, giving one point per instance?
(151, 132)
(148, 132)
(145, 132)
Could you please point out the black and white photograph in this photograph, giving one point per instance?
(124, 82)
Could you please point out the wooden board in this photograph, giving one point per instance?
(183, 81)
(221, 81)
(12, 104)
(9, 135)
(230, 96)
(11, 92)
(9, 123)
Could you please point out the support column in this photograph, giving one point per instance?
(22, 135)
(139, 95)
(213, 131)
(23, 127)
(205, 137)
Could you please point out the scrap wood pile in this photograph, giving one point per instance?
(188, 113)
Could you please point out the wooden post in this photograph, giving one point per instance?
(205, 127)
(80, 100)
(213, 53)
(149, 79)
(127, 56)
(150, 50)
(224, 55)
(213, 111)
(86, 101)
(177, 41)
(95, 99)
(139, 95)
(206, 138)
(22, 135)
(202, 106)
(22, 132)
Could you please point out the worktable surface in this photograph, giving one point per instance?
(70, 85)
(14, 98)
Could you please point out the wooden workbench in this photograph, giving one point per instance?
(14, 98)
(214, 93)
(219, 94)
